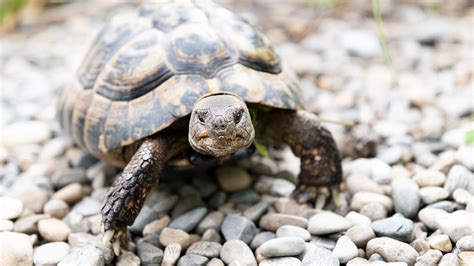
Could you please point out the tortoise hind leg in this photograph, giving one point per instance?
(127, 194)
(320, 159)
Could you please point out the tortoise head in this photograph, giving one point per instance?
(220, 124)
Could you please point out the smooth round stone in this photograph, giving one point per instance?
(323, 242)
(273, 221)
(357, 218)
(293, 231)
(406, 197)
(146, 216)
(430, 257)
(10, 208)
(360, 234)
(420, 245)
(462, 196)
(431, 216)
(6, 225)
(281, 247)
(457, 224)
(28, 224)
(189, 220)
(191, 259)
(327, 223)
(345, 249)
(315, 255)
(170, 235)
(53, 229)
(211, 235)
(237, 250)
(16, 249)
(212, 220)
(392, 250)
(464, 155)
(233, 179)
(88, 255)
(51, 253)
(79, 240)
(466, 243)
(261, 238)
(238, 227)
(466, 257)
(156, 226)
(360, 199)
(429, 178)
(357, 262)
(215, 262)
(374, 211)
(459, 177)
(205, 248)
(56, 208)
(32, 196)
(148, 253)
(281, 188)
(128, 259)
(433, 194)
(396, 227)
(87, 206)
(24, 133)
(287, 261)
(256, 211)
(70, 193)
(441, 242)
(449, 259)
(357, 183)
(171, 254)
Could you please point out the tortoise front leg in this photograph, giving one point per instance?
(127, 194)
(320, 159)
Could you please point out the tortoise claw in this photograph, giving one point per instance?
(319, 195)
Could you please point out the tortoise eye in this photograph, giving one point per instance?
(238, 117)
(201, 116)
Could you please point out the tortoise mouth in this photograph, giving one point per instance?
(220, 145)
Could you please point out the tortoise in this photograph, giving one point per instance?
(186, 76)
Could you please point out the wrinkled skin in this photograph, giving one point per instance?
(220, 125)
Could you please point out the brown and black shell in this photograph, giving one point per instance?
(143, 72)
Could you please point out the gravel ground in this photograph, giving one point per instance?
(408, 172)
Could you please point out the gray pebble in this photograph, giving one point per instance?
(392, 250)
(283, 246)
(192, 259)
(28, 224)
(466, 243)
(88, 255)
(261, 238)
(237, 250)
(396, 227)
(56, 208)
(433, 194)
(457, 224)
(357, 183)
(88, 206)
(146, 216)
(374, 211)
(273, 221)
(459, 177)
(189, 220)
(323, 242)
(345, 249)
(293, 231)
(205, 248)
(406, 197)
(256, 211)
(237, 227)
(148, 253)
(247, 196)
(327, 222)
(315, 255)
(211, 220)
(287, 261)
(360, 234)
(449, 259)
(211, 235)
(281, 187)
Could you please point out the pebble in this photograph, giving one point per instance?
(128, 259)
(88, 206)
(281, 187)
(457, 224)
(16, 249)
(441, 242)
(362, 198)
(51, 253)
(374, 211)
(273, 221)
(56, 208)
(430, 257)
(396, 227)
(211, 220)
(32, 196)
(211, 235)
(192, 259)
(466, 258)
(148, 253)
(459, 177)
(293, 231)
(146, 216)
(28, 224)
(466, 243)
(449, 259)
(360, 43)
(189, 220)
(428, 178)
(233, 179)
(215, 262)
(238, 227)
(79, 240)
(406, 197)
(88, 255)
(433, 194)
(357, 218)
(318, 255)
(171, 254)
(431, 216)
(156, 226)
(6, 225)
(357, 183)
(170, 235)
(462, 196)
(282, 246)
(360, 234)
(287, 261)
(205, 248)
(70, 194)
(345, 249)
(53, 229)
(392, 250)
(327, 223)
(261, 238)
(256, 211)
(24, 133)
(10, 208)
(464, 155)
(237, 251)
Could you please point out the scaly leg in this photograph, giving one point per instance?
(127, 194)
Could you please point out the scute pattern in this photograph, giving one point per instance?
(143, 72)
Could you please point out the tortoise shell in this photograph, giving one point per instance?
(145, 71)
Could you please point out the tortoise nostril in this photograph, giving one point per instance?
(219, 123)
